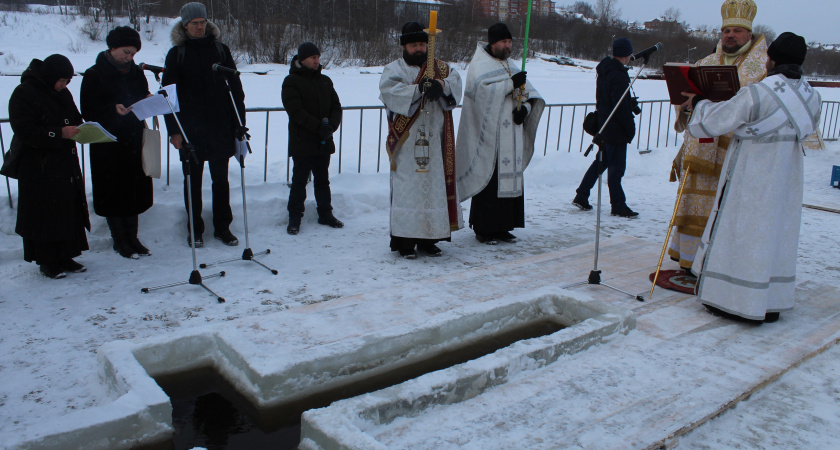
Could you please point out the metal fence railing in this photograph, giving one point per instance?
(359, 142)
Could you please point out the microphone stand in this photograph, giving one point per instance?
(595, 274)
(247, 254)
(187, 155)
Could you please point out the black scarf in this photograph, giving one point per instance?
(793, 71)
(121, 68)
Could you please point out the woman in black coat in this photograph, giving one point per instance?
(52, 209)
(121, 189)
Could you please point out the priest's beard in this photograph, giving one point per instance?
(501, 53)
(417, 59)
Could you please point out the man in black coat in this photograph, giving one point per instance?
(314, 114)
(207, 113)
(620, 130)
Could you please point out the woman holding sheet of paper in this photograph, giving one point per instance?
(52, 211)
(121, 189)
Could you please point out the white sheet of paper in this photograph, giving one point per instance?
(156, 105)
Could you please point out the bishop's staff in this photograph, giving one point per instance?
(668, 235)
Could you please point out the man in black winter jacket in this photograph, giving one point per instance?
(613, 80)
(207, 113)
(314, 114)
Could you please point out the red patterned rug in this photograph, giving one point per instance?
(675, 280)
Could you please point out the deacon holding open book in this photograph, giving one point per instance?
(747, 255)
(700, 160)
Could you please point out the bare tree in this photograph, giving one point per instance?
(608, 12)
(768, 32)
(582, 8)
(671, 15)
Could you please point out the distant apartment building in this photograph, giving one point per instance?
(418, 9)
(513, 9)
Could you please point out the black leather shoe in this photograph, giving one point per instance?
(199, 242)
(430, 249)
(331, 221)
(72, 266)
(582, 203)
(227, 237)
(485, 239)
(408, 253)
(505, 236)
(624, 212)
(53, 271)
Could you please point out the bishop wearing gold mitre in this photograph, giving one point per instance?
(700, 159)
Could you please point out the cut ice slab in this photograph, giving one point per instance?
(343, 424)
(288, 356)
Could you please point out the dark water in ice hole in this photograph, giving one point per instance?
(208, 412)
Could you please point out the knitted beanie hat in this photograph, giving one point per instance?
(622, 47)
(498, 32)
(123, 37)
(788, 48)
(192, 10)
(306, 50)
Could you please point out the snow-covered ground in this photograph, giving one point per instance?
(52, 329)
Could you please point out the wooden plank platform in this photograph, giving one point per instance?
(680, 368)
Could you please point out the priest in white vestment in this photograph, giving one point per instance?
(496, 138)
(746, 260)
(424, 204)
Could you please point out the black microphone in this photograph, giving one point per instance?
(646, 52)
(151, 68)
(220, 68)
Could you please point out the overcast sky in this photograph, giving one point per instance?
(816, 20)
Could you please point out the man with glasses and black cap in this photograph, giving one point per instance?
(207, 113)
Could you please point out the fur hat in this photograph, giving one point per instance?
(306, 50)
(498, 32)
(622, 47)
(413, 32)
(192, 10)
(123, 37)
(788, 48)
(56, 67)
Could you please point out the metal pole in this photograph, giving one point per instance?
(547, 127)
(572, 129)
(265, 156)
(361, 122)
(559, 128)
(379, 146)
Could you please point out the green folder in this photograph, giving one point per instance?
(93, 133)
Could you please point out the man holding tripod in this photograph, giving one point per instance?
(207, 113)
(612, 83)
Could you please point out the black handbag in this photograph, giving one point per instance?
(11, 160)
(590, 123)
